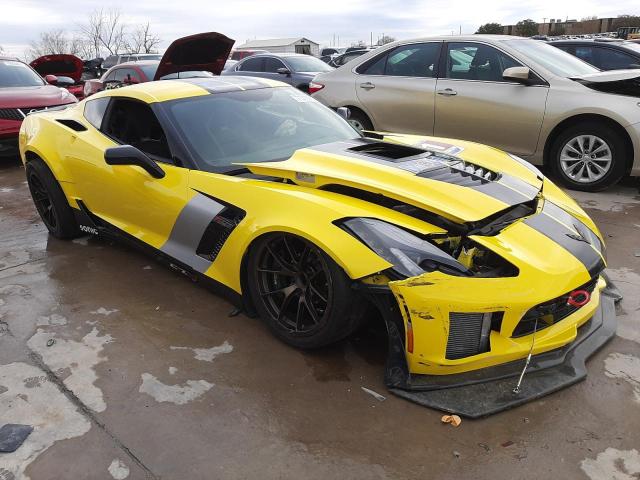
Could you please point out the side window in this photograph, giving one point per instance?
(130, 122)
(415, 60)
(94, 111)
(255, 64)
(475, 61)
(585, 53)
(609, 59)
(125, 73)
(271, 65)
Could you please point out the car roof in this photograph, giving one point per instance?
(283, 54)
(166, 90)
(10, 58)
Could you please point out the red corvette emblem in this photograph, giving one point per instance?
(578, 298)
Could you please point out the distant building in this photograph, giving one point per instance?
(568, 27)
(283, 45)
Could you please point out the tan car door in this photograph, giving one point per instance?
(473, 101)
(397, 88)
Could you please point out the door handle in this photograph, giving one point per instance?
(367, 85)
(447, 92)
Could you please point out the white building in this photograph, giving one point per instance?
(283, 45)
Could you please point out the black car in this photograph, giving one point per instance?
(340, 60)
(605, 55)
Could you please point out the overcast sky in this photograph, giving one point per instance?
(22, 20)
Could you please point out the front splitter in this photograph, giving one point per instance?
(491, 390)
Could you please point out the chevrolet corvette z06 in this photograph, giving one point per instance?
(482, 269)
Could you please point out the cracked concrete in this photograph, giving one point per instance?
(261, 409)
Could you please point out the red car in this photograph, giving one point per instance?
(203, 54)
(62, 66)
(22, 91)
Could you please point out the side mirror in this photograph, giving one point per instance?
(518, 74)
(128, 155)
(51, 79)
(284, 71)
(344, 112)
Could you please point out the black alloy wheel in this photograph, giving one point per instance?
(294, 283)
(303, 296)
(42, 201)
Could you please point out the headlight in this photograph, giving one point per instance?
(409, 254)
(529, 165)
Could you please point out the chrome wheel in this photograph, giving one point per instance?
(586, 158)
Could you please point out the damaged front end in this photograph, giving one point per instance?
(466, 308)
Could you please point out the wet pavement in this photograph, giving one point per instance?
(128, 370)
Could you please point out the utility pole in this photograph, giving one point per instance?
(460, 29)
(371, 40)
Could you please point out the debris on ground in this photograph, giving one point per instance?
(376, 395)
(456, 454)
(235, 312)
(486, 447)
(454, 420)
(12, 435)
(506, 444)
(50, 342)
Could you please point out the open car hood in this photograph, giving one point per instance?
(445, 185)
(619, 82)
(59, 65)
(202, 51)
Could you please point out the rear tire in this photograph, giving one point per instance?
(50, 201)
(589, 156)
(359, 120)
(303, 296)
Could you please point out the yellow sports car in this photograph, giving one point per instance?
(483, 270)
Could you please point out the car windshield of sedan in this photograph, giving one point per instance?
(306, 63)
(17, 74)
(261, 125)
(553, 59)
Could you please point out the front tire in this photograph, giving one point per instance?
(359, 120)
(304, 297)
(50, 201)
(589, 156)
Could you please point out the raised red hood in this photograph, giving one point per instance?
(202, 51)
(59, 65)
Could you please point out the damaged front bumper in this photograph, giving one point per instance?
(480, 391)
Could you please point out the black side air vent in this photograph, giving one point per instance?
(72, 124)
(218, 231)
(387, 151)
(468, 334)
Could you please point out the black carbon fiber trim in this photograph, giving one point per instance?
(577, 244)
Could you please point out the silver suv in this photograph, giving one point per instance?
(517, 94)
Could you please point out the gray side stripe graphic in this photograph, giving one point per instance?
(188, 230)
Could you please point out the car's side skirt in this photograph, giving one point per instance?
(92, 224)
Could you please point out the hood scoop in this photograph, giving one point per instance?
(428, 164)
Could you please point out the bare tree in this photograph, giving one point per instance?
(142, 40)
(48, 43)
(385, 39)
(104, 32)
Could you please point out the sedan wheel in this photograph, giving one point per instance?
(586, 158)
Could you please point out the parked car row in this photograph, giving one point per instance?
(516, 94)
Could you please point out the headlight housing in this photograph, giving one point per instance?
(409, 254)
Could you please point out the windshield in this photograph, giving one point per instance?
(149, 70)
(553, 59)
(306, 63)
(17, 74)
(251, 126)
